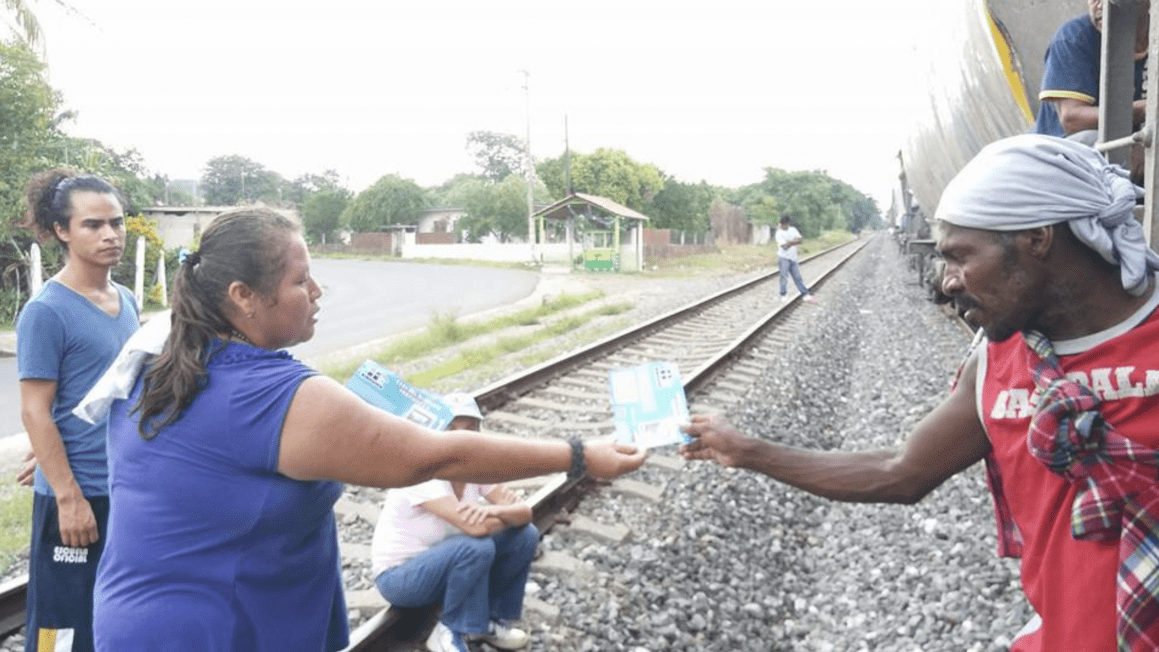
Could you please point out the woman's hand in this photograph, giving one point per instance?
(607, 459)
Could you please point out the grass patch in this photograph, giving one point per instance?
(446, 328)
(445, 331)
(613, 309)
(740, 258)
(465, 372)
(390, 258)
(15, 525)
(589, 336)
(479, 356)
(826, 240)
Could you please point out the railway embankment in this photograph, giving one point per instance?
(732, 561)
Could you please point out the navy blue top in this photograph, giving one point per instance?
(63, 337)
(210, 548)
(1072, 71)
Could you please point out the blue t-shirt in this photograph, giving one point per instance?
(1073, 62)
(63, 337)
(209, 548)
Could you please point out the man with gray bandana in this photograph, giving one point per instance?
(1043, 253)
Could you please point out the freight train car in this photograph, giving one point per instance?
(983, 72)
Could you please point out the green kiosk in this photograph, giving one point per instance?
(610, 235)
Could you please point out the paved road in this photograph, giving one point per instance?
(363, 301)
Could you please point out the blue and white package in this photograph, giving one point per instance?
(648, 405)
(385, 389)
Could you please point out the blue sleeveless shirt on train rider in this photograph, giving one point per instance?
(1072, 68)
(210, 548)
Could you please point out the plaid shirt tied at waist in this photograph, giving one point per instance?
(1118, 498)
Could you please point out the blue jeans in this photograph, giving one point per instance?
(791, 268)
(479, 579)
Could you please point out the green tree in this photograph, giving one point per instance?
(498, 208)
(322, 212)
(498, 155)
(233, 180)
(682, 206)
(298, 191)
(815, 201)
(25, 23)
(613, 174)
(860, 211)
(137, 226)
(453, 191)
(125, 170)
(804, 196)
(391, 200)
(763, 208)
(167, 193)
(553, 174)
(28, 129)
(28, 122)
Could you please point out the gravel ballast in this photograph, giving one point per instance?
(732, 560)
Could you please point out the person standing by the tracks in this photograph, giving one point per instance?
(67, 335)
(439, 543)
(226, 456)
(788, 259)
(1043, 253)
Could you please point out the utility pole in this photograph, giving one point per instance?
(1150, 147)
(530, 172)
(566, 158)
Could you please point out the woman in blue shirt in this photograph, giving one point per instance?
(227, 457)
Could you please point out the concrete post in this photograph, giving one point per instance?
(1150, 165)
(639, 246)
(35, 270)
(139, 276)
(162, 282)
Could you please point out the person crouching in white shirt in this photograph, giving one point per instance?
(465, 545)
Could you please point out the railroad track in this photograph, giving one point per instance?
(720, 344)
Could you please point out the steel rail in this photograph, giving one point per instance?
(511, 387)
(391, 629)
(713, 365)
(13, 597)
(558, 495)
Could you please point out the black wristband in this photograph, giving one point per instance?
(578, 465)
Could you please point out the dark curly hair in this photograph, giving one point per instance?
(49, 197)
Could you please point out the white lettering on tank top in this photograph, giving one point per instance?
(1108, 384)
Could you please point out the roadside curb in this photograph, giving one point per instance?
(552, 282)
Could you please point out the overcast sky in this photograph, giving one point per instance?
(713, 91)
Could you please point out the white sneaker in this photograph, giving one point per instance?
(809, 298)
(784, 298)
(505, 637)
(442, 639)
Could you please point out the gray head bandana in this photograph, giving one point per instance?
(1033, 180)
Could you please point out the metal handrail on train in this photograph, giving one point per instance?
(1143, 136)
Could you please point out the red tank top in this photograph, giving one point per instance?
(1070, 583)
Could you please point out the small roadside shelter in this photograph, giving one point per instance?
(597, 223)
